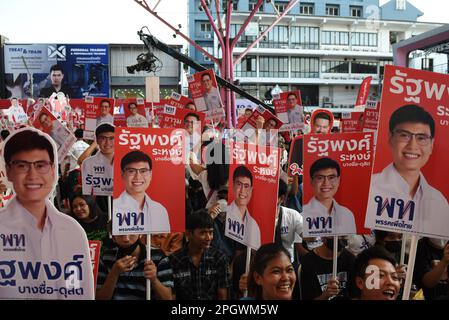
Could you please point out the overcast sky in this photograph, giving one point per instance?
(117, 21)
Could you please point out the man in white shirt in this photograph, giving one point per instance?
(240, 225)
(323, 215)
(105, 113)
(419, 208)
(97, 170)
(150, 216)
(211, 93)
(54, 128)
(135, 120)
(192, 125)
(45, 252)
(294, 112)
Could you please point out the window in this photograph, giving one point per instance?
(306, 8)
(427, 64)
(305, 37)
(280, 7)
(224, 6)
(305, 67)
(364, 39)
(273, 67)
(276, 38)
(364, 67)
(205, 27)
(332, 10)
(244, 40)
(382, 64)
(252, 5)
(356, 11)
(209, 50)
(335, 66)
(335, 38)
(401, 4)
(247, 68)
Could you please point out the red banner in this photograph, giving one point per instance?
(94, 249)
(363, 94)
(321, 125)
(352, 122)
(288, 108)
(371, 119)
(97, 111)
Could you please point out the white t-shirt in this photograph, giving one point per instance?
(291, 229)
(137, 121)
(97, 174)
(246, 232)
(431, 209)
(155, 216)
(341, 218)
(35, 263)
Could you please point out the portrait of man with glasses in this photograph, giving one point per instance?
(43, 235)
(136, 173)
(135, 120)
(105, 113)
(411, 139)
(240, 225)
(98, 171)
(325, 180)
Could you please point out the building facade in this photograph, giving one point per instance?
(323, 48)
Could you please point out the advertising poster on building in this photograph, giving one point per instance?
(352, 121)
(83, 70)
(47, 122)
(295, 161)
(148, 198)
(96, 112)
(337, 172)
(252, 196)
(289, 110)
(409, 189)
(206, 95)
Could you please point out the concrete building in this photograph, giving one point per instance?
(323, 48)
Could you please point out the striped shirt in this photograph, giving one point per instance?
(132, 285)
(202, 283)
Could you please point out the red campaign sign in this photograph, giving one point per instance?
(409, 188)
(259, 197)
(295, 160)
(47, 122)
(206, 94)
(135, 113)
(320, 112)
(371, 118)
(160, 190)
(172, 117)
(352, 122)
(336, 204)
(288, 108)
(95, 114)
(271, 123)
(94, 249)
(363, 94)
(179, 101)
(6, 103)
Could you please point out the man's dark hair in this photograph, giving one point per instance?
(206, 74)
(191, 114)
(292, 94)
(414, 114)
(248, 109)
(362, 262)
(94, 209)
(129, 104)
(242, 171)
(27, 140)
(282, 188)
(199, 219)
(4, 134)
(322, 115)
(135, 156)
(105, 100)
(79, 133)
(324, 163)
(104, 127)
(56, 67)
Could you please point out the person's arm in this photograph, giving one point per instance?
(87, 153)
(150, 272)
(124, 264)
(197, 168)
(301, 250)
(331, 290)
(295, 186)
(431, 278)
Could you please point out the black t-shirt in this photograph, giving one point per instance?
(316, 272)
(425, 254)
(48, 91)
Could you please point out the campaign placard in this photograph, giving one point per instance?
(172, 117)
(252, 196)
(409, 189)
(47, 122)
(206, 95)
(135, 113)
(94, 250)
(371, 117)
(321, 121)
(179, 101)
(295, 160)
(97, 111)
(244, 109)
(337, 173)
(288, 108)
(148, 198)
(352, 122)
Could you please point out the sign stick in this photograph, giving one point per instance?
(404, 242)
(248, 261)
(410, 268)
(148, 282)
(334, 260)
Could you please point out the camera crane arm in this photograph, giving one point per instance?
(150, 41)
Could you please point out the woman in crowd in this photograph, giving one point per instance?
(86, 211)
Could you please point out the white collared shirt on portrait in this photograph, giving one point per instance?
(249, 234)
(136, 121)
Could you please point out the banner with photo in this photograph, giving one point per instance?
(288, 108)
(96, 112)
(352, 121)
(295, 160)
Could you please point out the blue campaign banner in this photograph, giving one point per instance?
(85, 69)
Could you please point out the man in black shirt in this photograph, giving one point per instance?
(56, 76)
